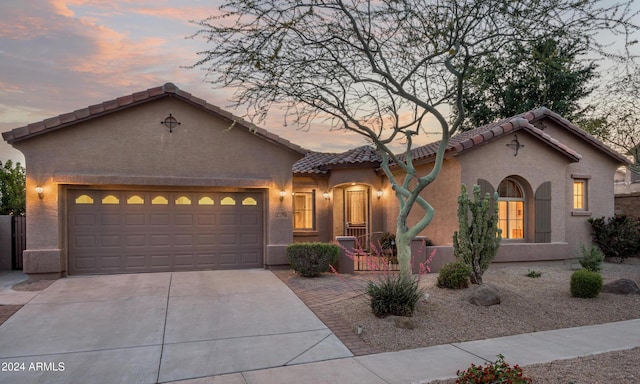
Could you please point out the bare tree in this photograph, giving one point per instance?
(381, 68)
(616, 116)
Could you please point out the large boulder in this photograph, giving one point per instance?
(621, 287)
(485, 295)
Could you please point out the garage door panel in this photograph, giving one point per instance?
(145, 231)
(249, 239)
(227, 219)
(249, 219)
(85, 220)
(136, 219)
(133, 261)
(111, 241)
(204, 220)
(249, 258)
(135, 240)
(159, 240)
(111, 262)
(206, 239)
(107, 219)
(160, 260)
(159, 219)
(184, 240)
(86, 264)
(184, 219)
(85, 241)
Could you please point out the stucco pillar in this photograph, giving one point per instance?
(345, 263)
(43, 257)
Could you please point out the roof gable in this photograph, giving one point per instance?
(110, 106)
(527, 121)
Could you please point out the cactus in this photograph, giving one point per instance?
(477, 240)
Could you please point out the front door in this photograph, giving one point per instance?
(357, 214)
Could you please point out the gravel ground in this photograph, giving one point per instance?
(528, 305)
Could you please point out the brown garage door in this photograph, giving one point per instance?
(153, 231)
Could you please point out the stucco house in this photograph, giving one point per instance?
(161, 180)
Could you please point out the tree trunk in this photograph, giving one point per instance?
(403, 245)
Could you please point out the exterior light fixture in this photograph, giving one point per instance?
(515, 145)
(326, 195)
(379, 193)
(170, 122)
(40, 191)
(282, 193)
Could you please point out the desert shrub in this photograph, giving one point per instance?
(591, 258)
(617, 236)
(394, 294)
(454, 275)
(585, 283)
(497, 372)
(534, 274)
(311, 259)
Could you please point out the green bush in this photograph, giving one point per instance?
(585, 283)
(591, 258)
(454, 275)
(617, 236)
(394, 294)
(534, 274)
(311, 259)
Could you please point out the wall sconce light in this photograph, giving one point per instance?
(326, 195)
(39, 190)
(379, 194)
(282, 193)
(515, 145)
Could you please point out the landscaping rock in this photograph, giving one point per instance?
(621, 287)
(485, 295)
(404, 323)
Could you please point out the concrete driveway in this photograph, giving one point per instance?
(161, 327)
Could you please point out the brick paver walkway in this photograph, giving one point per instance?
(6, 311)
(318, 293)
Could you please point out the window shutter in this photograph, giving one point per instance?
(486, 187)
(543, 213)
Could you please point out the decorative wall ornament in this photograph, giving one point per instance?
(170, 122)
(515, 145)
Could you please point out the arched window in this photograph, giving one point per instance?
(511, 209)
(110, 199)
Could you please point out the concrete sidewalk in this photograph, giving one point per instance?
(441, 362)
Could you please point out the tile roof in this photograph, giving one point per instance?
(109, 106)
(467, 140)
(320, 163)
(312, 162)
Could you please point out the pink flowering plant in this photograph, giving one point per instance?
(391, 293)
(493, 373)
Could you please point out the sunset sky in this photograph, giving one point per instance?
(57, 56)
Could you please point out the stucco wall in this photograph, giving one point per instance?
(535, 164)
(131, 148)
(442, 194)
(600, 170)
